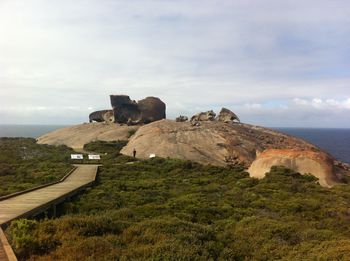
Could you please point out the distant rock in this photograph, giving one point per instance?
(181, 118)
(227, 116)
(124, 109)
(204, 116)
(132, 113)
(102, 116)
(152, 109)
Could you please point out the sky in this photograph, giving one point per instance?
(276, 63)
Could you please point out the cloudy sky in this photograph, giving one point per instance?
(273, 62)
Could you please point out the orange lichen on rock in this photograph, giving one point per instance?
(317, 163)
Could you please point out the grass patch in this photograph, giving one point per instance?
(105, 146)
(109, 152)
(131, 132)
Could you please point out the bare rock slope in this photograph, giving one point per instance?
(255, 148)
(78, 135)
(218, 143)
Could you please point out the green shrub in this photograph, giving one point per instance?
(131, 132)
(22, 237)
(25, 164)
(105, 146)
(168, 209)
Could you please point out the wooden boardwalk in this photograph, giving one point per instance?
(39, 200)
(3, 256)
(6, 252)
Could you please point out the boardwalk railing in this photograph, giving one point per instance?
(37, 200)
(6, 252)
(38, 187)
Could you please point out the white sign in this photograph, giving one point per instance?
(94, 157)
(152, 156)
(76, 156)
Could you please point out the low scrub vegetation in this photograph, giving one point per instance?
(165, 209)
(105, 146)
(109, 152)
(25, 164)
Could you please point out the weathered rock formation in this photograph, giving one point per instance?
(181, 118)
(152, 109)
(227, 116)
(243, 145)
(102, 116)
(316, 163)
(204, 116)
(132, 112)
(124, 109)
(204, 139)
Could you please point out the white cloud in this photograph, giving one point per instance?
(252, 106)
(326, 104)
(195, 55)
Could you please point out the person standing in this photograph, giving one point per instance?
(134, 153)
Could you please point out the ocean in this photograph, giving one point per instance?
(28, 131)
(335, 141)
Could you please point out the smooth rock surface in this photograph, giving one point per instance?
(212, 142)
(235, 144)
(317, 163)
(78, 135)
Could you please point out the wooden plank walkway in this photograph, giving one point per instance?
(37, 201)
(6, 252)
(3, 256)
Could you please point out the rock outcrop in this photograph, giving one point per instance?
(132, 113)
(227, 116)
(102, 116)
(316, 163)
(204, 116)
(243, 145)
(254, 148)
(78, 135)
(168, 138)
(181, 118)
(152, 109)
(124, 109)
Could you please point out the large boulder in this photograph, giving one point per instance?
(102, 116)
(204, 116)
(152, 109)
(124, 109)
(132, 113)
(227, 116)
(181, 118)
(317, 163)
